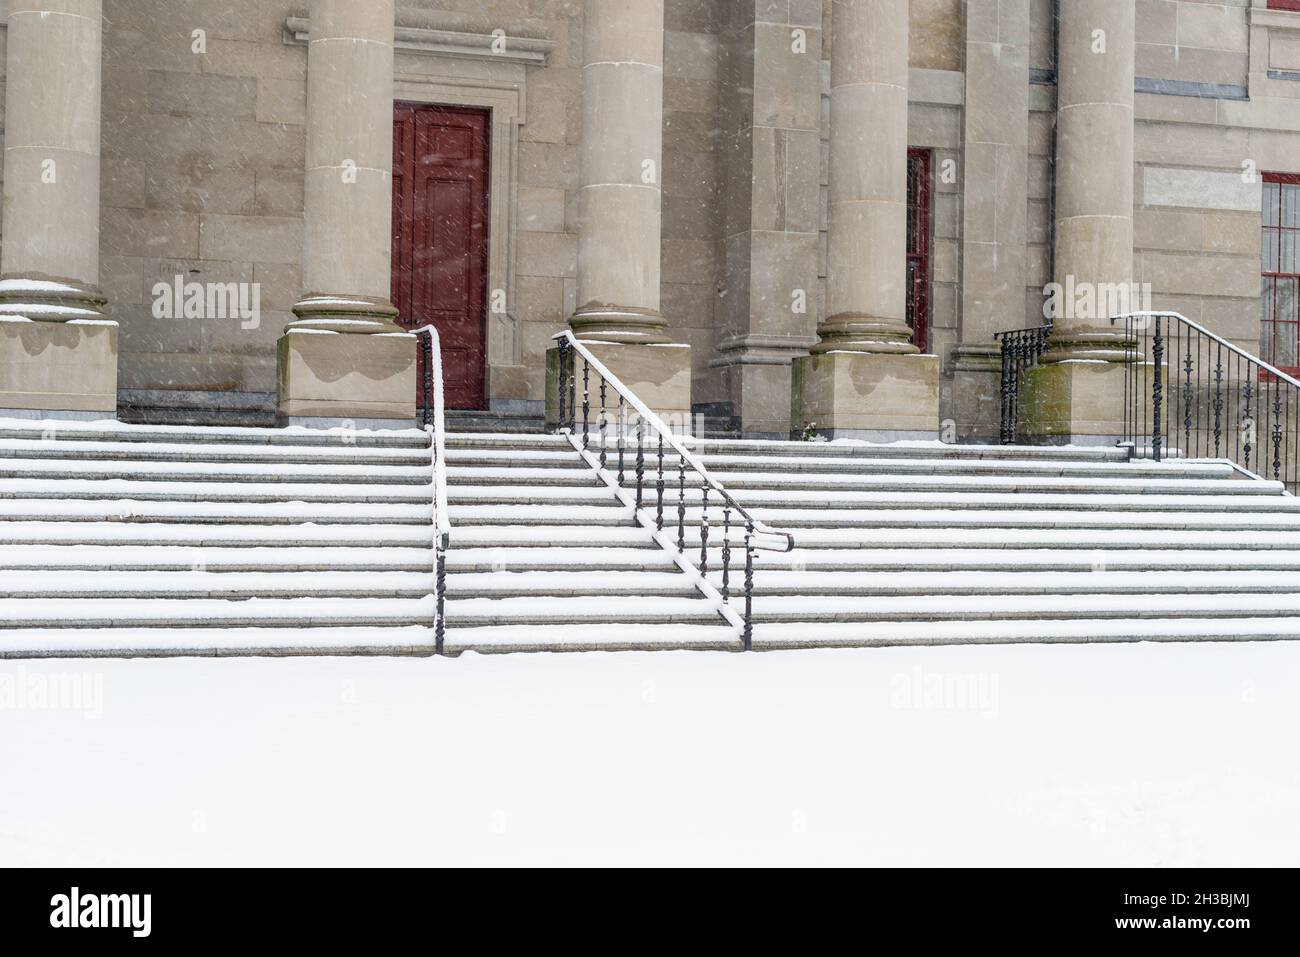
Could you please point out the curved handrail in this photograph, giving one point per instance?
(435, 424)
(1190, 393)
(658, 425)
(1219, 340)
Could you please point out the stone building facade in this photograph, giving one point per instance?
(769, 213)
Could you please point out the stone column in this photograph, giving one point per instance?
(995, 164)
(619, 204)
(58, 354)
(771, 215)
(1071, 400)
(864, 377)
(344, 357)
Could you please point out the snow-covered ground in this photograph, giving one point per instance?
(1117, 754)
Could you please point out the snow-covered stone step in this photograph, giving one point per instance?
(203, 513)
(975, 608)
(218, 452)
(1012, 540)
(543, 610)
(491, 475)
(1132, 561)
(214, 642)
(607, 513)
(755, 469)
(626, 637)
(1243, 627)
(648, 557)
(530, 494)
(851, 448)
(1102, 582)
(833, 516)
(230, 557)
(350, 584)
(112, 431)
(506, 440)
(547, 458)
(986, 501)
(1059, 485)
(344, 612)
(542, 535)
(145, 534)
(156, 491)
(253, 473)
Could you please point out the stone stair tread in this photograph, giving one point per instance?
(145, 533)
(1133, 560)
(145, 490)
(491, 639)
(286, 513)
(772, 637)
(113, 431)
(181, 642)
(343, 452)
(221, 558)
(831, 469)
(232, 472)
(915, 584)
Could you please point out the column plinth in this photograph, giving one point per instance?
(58, 351)
(865, 378)
(343, 357)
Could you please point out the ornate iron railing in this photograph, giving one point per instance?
(586, 413)
(1021, 350)
(1189, 393)
(432, 418)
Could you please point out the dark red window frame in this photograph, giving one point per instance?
(1284, 5)
(920, 214)
(1280, 271)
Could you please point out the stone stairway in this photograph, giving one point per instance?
(141, 540)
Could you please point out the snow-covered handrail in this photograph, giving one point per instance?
(434, 423)
(1190, 392)
(756, 534)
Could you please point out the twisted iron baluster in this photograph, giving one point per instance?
(1189, 395)
(622, 431)
(1277, 431)
(659, 488)
(704, 537)
(440, 599)
(604, 421)
(726, 551)
(586, 403)
(563, 358)
(681, 503)
(1218, 399)
(640, 459)
(1249, 422)
(1157, 389)
(748, 633)
(1005, 436)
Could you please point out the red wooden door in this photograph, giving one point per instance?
(440, 237)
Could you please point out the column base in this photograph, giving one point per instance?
(658, 375)
(1073, 402)
(873, 396)
(68, 369)
(331, 378)
(977, 391)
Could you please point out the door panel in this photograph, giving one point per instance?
(440, 239)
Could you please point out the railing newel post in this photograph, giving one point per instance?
(747, 634)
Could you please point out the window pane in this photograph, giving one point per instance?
(1287, 260)
(1270, 250)
(1284, 353)
(1290, 205)
(1271, 191)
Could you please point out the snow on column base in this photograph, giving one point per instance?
(866, 395)
(330, 378)
(59, 369)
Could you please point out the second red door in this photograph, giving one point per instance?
(440, 237)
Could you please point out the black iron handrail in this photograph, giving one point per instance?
(1189, 393)
(653, 439)
(432, 419)
(1021, 350)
